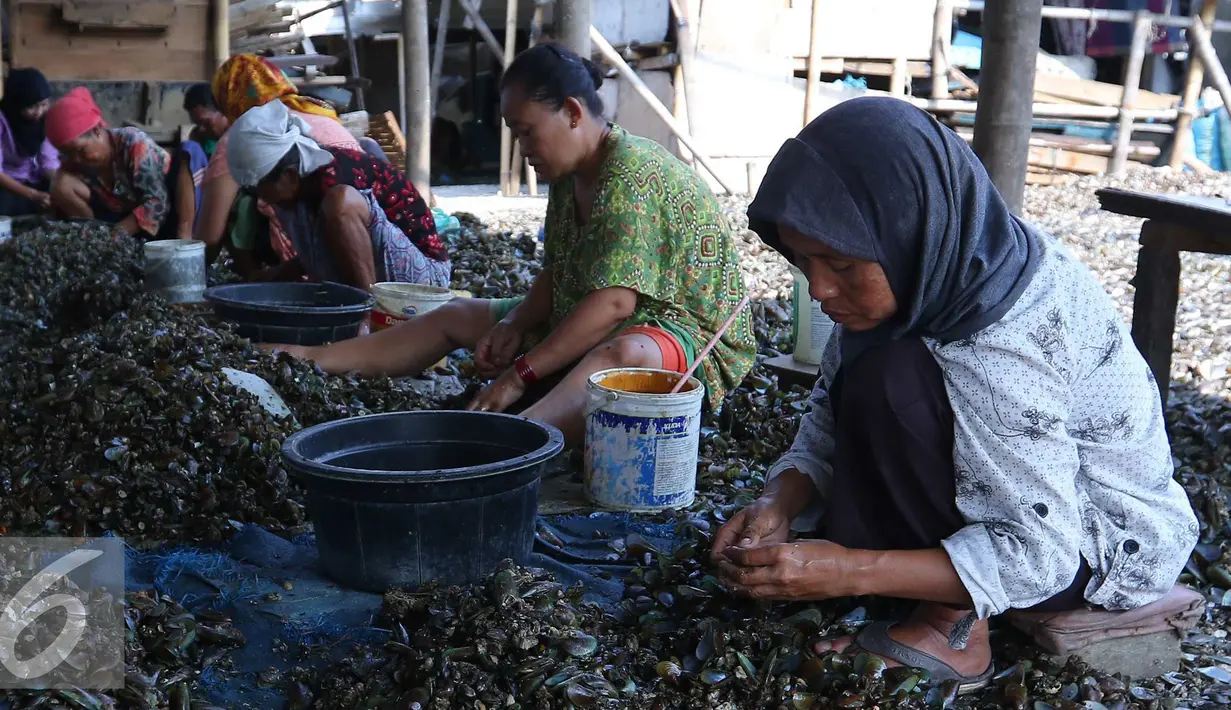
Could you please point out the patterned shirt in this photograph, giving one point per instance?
(1060, 451)
(403, 205)
(139, 170)
(656, 228)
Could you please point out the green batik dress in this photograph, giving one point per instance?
(656, 228)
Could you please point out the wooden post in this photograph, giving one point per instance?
(573, 26)
(480, 26)
(354, 55)
(1132, 83)
(686, 50)
(1200, 37)
(679, 109)
(814, 63)
(402, 83)
(1182, 145)
(222, 30)
(942, 35)
(652, 101)
(899, 79)
(515, 166)
(1158, 293)
(418, 96)
(438, 53)
(507, 158)
(536, 32)
(1003, 119)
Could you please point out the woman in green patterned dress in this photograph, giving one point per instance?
(639, 267)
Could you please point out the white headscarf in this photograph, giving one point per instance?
(262, 136)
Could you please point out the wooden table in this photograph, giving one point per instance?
(1174, 223)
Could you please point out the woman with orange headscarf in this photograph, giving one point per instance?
(243, 82)
(119, 175)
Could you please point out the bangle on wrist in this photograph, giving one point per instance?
(522, 368)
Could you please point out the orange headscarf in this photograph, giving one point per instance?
(245, 81)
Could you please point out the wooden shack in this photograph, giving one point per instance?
(142, 40)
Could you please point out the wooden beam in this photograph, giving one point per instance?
(1194, 77)
(418, 108)
(302, 60)
(942, 31)
(814, 63)
(1132, 83)
(507, 158)
(1061, 159)
(1040, 109)
(1101, 93)
(1200, 37)
(438, 52)
(1157, 283)
(652, 101)
(484, 31)
(221, 19)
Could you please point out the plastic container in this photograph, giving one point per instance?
(175, 269)
(292, 313)
(6, 229)
(641, 441)
(810, 327)
(405, 498)
(395, 302)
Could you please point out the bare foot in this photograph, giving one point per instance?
(928, 631)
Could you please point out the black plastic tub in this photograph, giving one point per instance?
(292, 313)
(405, 498)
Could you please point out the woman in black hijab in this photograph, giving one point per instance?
(983, 437)
(27, 161)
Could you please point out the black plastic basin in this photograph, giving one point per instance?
(405, 498)
(292, 313)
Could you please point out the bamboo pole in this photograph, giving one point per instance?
(898, 78)
(438, 53)
(942, 31)
(686, 49)
(536, 33)
(1182, 145)
(814, 63)
(1044, 110)
(1103, 15)
(679, 109)
(652, 101)
(222, 31)
(1132, 83)
(484, 31)
(507, 158)
(418, 107)
(1209, 57)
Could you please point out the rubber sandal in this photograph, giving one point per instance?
(875, 639)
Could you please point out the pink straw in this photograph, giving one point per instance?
(710, 345)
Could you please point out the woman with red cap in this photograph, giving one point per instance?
(117, 175)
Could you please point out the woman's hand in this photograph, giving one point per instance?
(42, 199)
(496, 349)
(811, 569)
(764, 521)
(499, 395)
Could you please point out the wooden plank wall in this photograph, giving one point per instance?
(42, 38)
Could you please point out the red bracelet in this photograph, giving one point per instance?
(524, 372)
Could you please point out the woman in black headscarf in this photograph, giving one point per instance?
(27, 161)
(983, 437)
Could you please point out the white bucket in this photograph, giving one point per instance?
(641, 442)
(395, 302)
(175, 269)
(6, 229)
(810, 327)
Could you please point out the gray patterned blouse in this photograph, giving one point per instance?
(1060, 449)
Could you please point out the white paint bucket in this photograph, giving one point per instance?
(395, 302)
(641, 441)
(175, 269)
(810, 327)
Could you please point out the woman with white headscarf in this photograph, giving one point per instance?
(359, 220)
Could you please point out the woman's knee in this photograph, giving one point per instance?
(70, 194)
(627, 351)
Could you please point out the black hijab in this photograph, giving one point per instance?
(22, 89)
(880, 180)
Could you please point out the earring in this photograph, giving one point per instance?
(574, 124)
